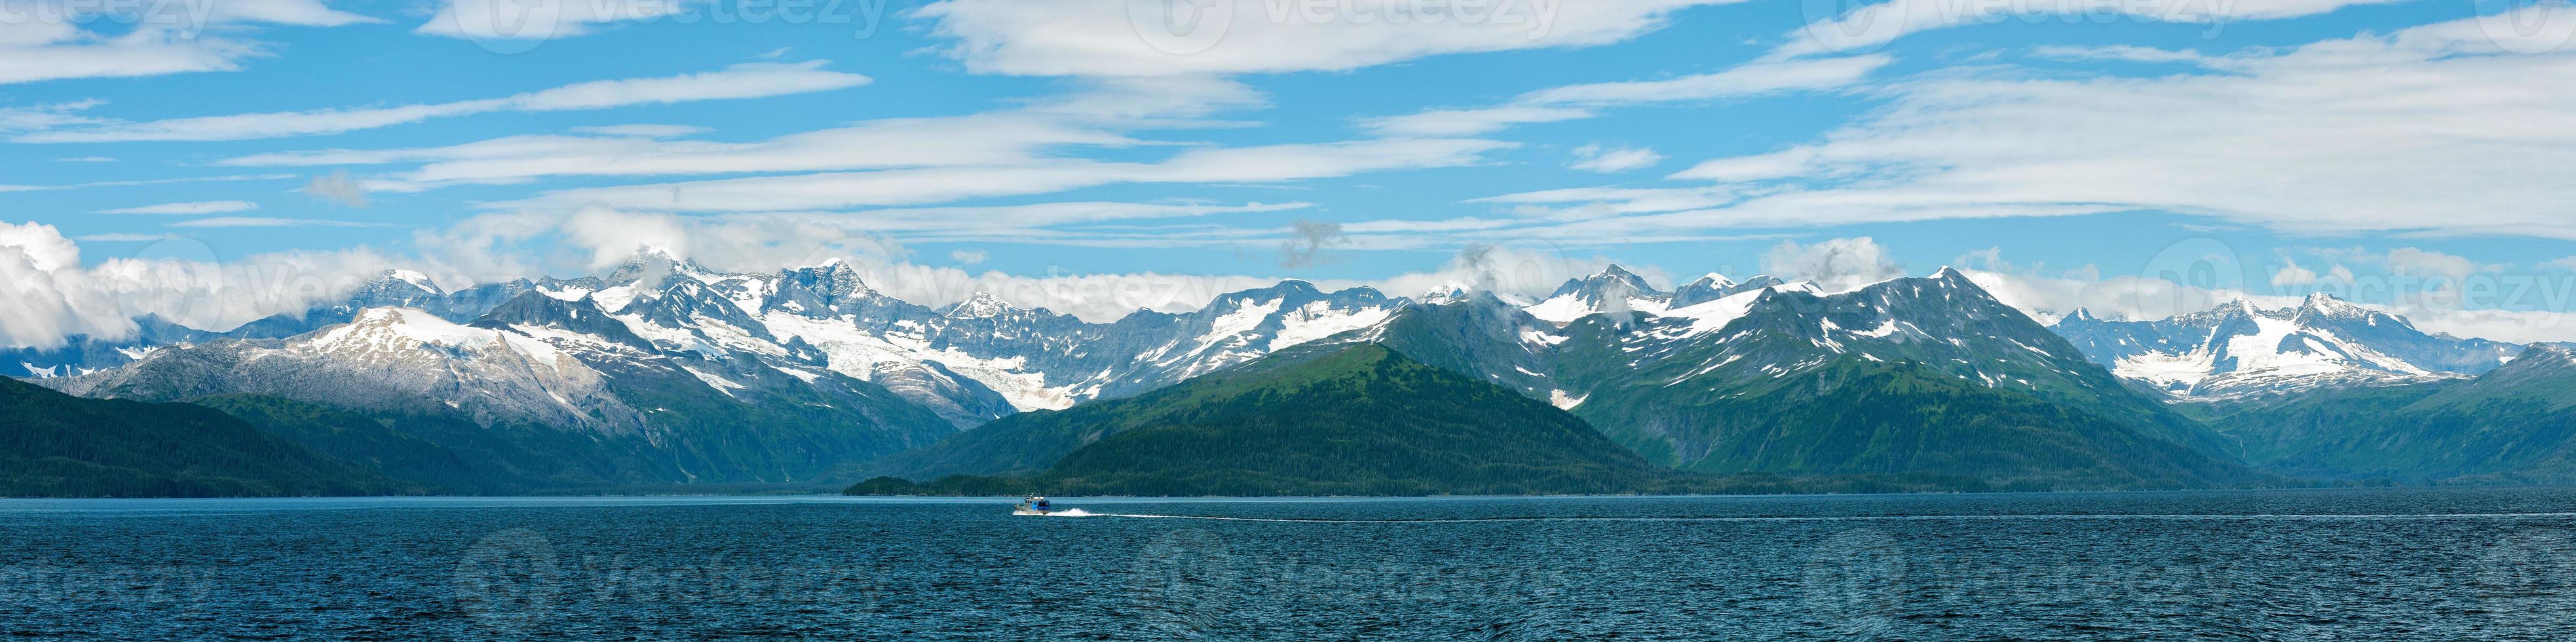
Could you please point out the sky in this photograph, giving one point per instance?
(213, 161)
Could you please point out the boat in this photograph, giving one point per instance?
(1034, 505)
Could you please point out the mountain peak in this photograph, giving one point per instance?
(2329, 303)
(400, 280)
(1447, 294)
(981, 305)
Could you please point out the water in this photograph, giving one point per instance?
(2389, 564)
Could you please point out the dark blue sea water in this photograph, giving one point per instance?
(2395, 564)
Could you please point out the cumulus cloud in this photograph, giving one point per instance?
(1836, 264)
(2291, 275)
(47, 292)
(969, 257)
(1519, 269)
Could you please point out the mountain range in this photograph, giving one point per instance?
(2241, 350)
(1324, 419)
(662, 371)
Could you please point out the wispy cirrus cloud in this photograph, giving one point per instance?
(1574, 102)
(1110, 38)
(751, 80)
(257, 221)
(45, 40)
(837, 190)
(187, 208)
(2443, 129)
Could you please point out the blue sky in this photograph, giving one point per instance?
(2404, 154)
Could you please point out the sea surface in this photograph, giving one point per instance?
(2348, 564)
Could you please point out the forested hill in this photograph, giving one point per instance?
(58, 445)
(1356, 419)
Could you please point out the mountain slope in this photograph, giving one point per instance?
(551, 392)
(57, 445)
(2239, 350)
(1355, 419)
(1920, 377)
(2514, 424)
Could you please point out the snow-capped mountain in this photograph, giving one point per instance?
(1716, 286)
(545, 380)
(1614, 291)
(1707, 386)
(393, 288)
(2238, 349)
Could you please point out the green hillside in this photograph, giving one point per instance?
(1354, 419)
(2514, 425)
(57, 445)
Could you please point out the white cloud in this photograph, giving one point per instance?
(969, 257)
(911, 142)
(47, 39)
(46, 293)
(138, 183)
(123, 237)
(2568, 263)
(537, 20)
(1836, 264)
(194, 207)
(256, 221)
(1613, 160)
(2129, 53)
(1573, 102)
(749, 80)
(337, 187)
(1127, 38)
(1869, 27)
(2438, 130)
(642, 130)
(2408, 261)
(2291, 275)
(1262, 164)
(1091, 117)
